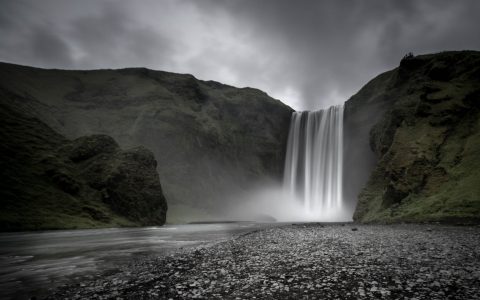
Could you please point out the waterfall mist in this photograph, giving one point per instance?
(313, 176)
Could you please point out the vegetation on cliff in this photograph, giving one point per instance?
(413, 131)
(427, 142)
(49, 182)
(211, 141)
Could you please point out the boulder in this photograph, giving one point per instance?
(50, 182)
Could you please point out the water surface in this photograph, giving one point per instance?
(33, 262)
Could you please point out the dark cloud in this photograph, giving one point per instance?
(112, 38)
(338, 45)
(310, 54)
(48, 48)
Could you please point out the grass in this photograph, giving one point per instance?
(432, 156)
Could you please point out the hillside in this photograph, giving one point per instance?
(50, 182)
(423, 121)
(411, 134)
(212, 142)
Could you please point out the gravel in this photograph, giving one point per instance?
(307, 261)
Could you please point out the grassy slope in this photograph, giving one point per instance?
(428, 144)
(210, 140)
(30, 199)
(42, 188)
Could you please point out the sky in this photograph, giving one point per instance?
(309, 54)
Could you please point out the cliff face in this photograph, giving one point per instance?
(425, 134)
(49, 182)
(362, 112)
(211, 140)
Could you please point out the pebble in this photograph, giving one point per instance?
(306, 262)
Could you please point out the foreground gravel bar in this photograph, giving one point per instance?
(308, 261)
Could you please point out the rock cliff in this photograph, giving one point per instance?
(423, 123)
(212, 141)
(49, 182)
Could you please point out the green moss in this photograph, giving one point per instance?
(210, 140)
(44, 179)
(428, 145)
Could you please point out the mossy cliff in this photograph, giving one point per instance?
(49, 182)
(425, 133)
(211, 141)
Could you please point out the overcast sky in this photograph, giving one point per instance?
(309, 54)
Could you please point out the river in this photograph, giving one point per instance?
(33, 263)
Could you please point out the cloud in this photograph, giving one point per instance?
(328, 49)
(49, 48)
(309, 54)
(111, 38)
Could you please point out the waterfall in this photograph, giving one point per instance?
(314, 160)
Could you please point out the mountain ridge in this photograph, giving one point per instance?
(50, 182)
(423, 135)
(211, 140)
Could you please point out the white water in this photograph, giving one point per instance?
(314, 163)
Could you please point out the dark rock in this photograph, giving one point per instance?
(131, 187)
(87, 147)
(441, 71)
(127, 180)
(424, 140)
(393, 195)
(49, 182)
(64, 181)
(203, 134)
(96, 214)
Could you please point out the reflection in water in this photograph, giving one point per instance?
(32, 261)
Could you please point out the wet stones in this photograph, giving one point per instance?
(309, 262)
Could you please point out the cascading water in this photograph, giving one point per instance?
(314, 161)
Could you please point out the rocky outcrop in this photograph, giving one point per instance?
(212, 141)
(126, 179)
(426, 139)
(362, 112)
(49, 182)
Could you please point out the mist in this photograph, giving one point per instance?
(274, 201)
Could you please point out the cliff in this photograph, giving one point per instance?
(212, 142)
(49, 182)
(423, 125)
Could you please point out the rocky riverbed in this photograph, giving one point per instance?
(307, 261)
